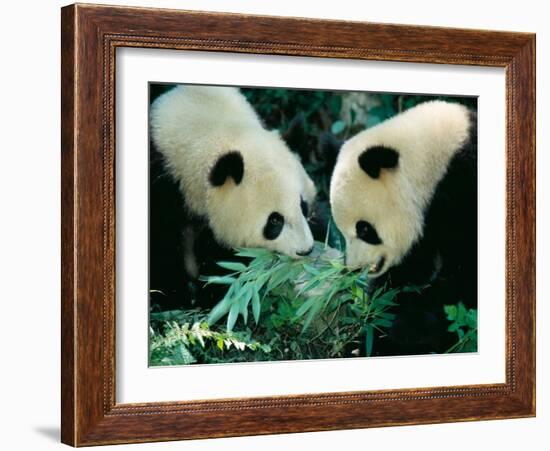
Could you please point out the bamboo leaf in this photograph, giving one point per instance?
(232, 266)
(244, 301)
(233, 315)
(221, 280)
(256, 306)
(315, 307)
(381, 322)
(369, 339)
(219, 311)
(312, 269)
(306, 306)
(277, 279)
(387, 315)
(313, 283)
(253, 253)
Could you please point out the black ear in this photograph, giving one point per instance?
(229, 165)
(376, 158)
(295, 130)
(295, 135)
(329, 146)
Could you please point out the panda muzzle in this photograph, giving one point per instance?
(304, 253)
(377, 267)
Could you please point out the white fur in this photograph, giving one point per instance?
(193, 126)
(426, 138)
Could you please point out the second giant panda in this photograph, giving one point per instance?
(404, 195)
(219, 180)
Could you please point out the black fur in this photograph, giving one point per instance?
(295, 136)
(231, 165)
(169, 284)
(374, 159)
(444, 260)
(304, 207)
(328, 148)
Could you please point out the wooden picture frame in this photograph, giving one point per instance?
(90, 36)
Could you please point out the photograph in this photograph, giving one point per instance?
(291, 224)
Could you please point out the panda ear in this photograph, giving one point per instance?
(329, 146)
(231, 165)
(295, 134)
(376, 158)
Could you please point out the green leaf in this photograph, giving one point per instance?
(220, 310)
(308, 286)
(377, 293)
(306, 306)
(461, 314)
(261, 280)
(387, 315)
(387, 298)
(413, 289)
(232, 266)
(221, 280)
(315, 307)
(256, 307)
(345, 298)
(453, 327)
(381, 322)
(450, 310)
(338, 127)
(312, 270)
(253, 252)
(357, 292)
(369, 338)
(278, 278)
(246, 296)
(233, 315)
(471, 319)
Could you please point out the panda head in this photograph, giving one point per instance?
(385, 178)
(259, 195)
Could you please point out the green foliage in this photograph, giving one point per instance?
(277, 308)
(278, 106)
(314, 298)
(464, 323)
(178, 338)
(338, 127)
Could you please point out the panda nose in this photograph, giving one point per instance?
(304, 253)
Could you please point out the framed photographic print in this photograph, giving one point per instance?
(278, 225)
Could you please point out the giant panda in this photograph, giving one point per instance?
(404, 195)
(219, 180)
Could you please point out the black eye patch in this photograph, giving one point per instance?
(367, 233)
(304, 207)
(274, 226)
